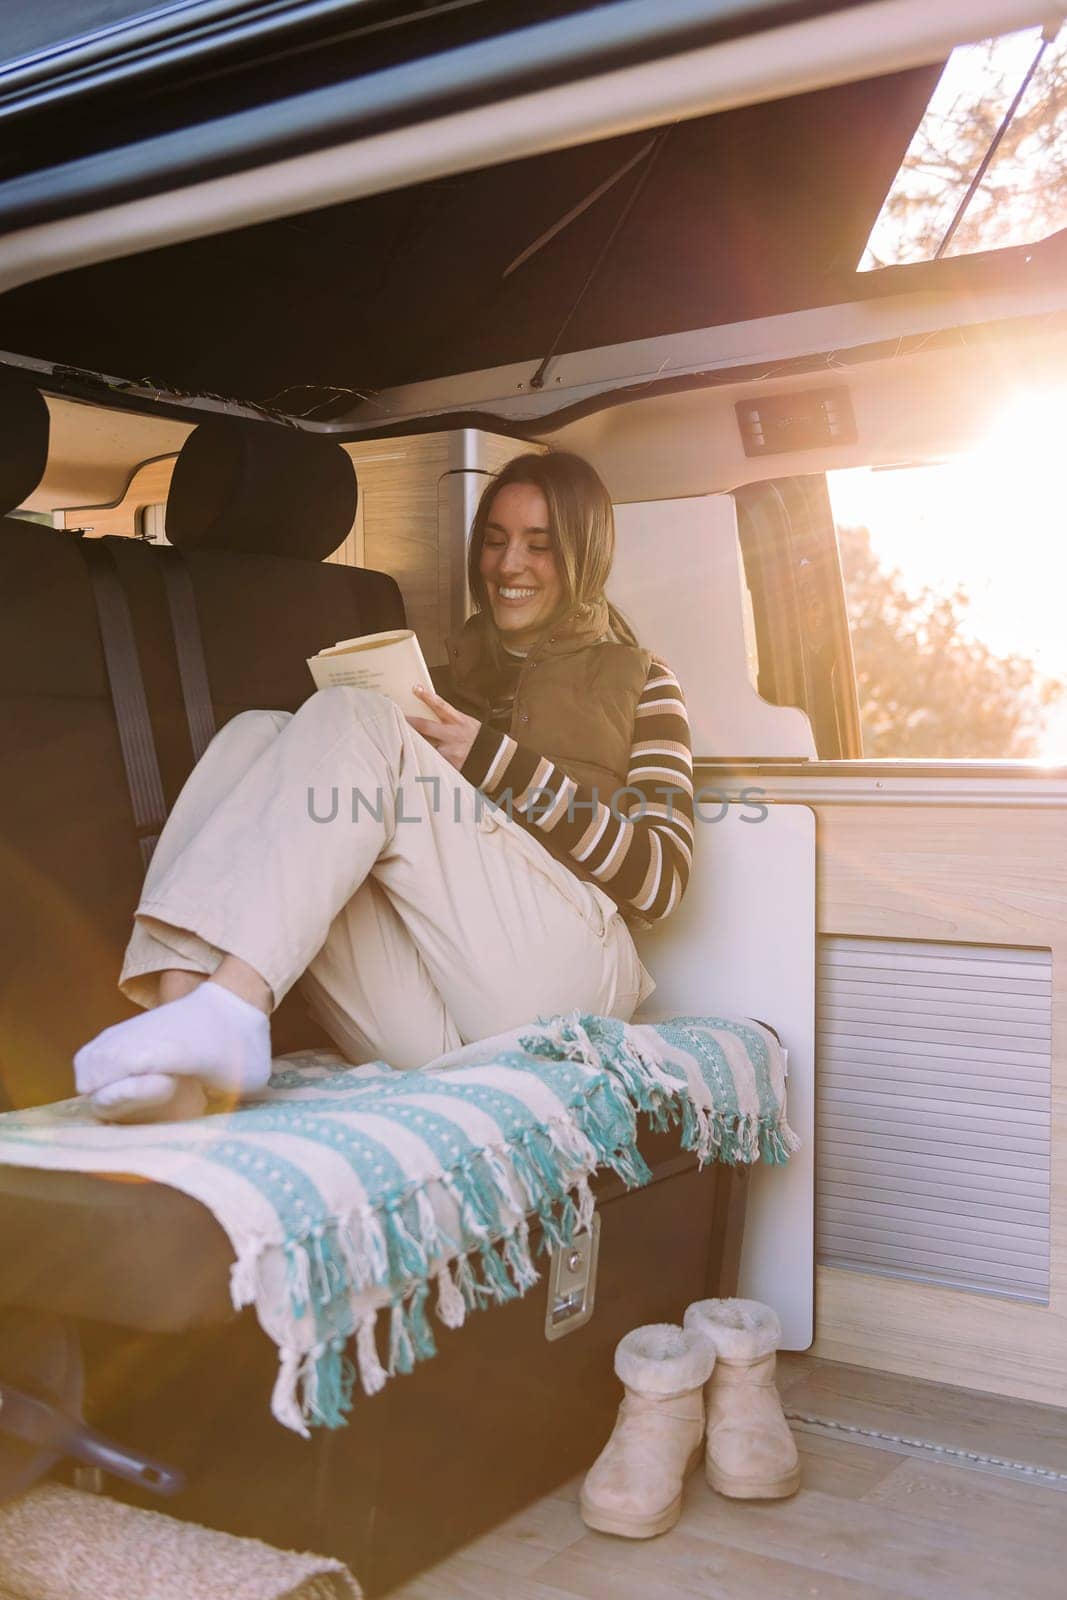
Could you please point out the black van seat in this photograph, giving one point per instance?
(70, 866)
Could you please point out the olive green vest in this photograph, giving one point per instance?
(576, 698)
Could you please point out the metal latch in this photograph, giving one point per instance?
(572, 1283)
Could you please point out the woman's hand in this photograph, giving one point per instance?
(452, 731)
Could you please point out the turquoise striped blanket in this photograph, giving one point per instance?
(351, 1195)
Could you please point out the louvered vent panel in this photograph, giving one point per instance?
(933, 1096)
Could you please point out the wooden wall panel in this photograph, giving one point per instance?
(494, 451)
(350, 552)
(400, 490)
(987, 876)
(148, 486)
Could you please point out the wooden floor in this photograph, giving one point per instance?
(872, 1519)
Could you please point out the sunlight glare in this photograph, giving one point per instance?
(1029, 428)
(1018, 461)
(992, 522)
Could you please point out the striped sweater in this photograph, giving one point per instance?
(636, 845)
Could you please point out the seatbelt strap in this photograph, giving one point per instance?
(189, 648)
(127, 694)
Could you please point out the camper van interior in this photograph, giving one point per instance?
(793, 279)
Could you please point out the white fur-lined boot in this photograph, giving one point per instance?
(634, 1487)
(751, 1454)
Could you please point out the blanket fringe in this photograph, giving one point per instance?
(401, 1349)
(284, 1402)
(466, 1284)
(372, 1375)
(329, 1383)
(650, 1088)
(421, 1333)
(517, 1256)
(451, 1307)
(397, 1247)
(244, 1274)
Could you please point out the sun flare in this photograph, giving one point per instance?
(992, 522)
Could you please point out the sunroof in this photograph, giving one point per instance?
(987, 167)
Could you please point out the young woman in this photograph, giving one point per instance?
(427, 881)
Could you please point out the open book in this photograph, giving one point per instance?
(389, 662)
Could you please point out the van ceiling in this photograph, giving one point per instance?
(104, 99)
(743, 214)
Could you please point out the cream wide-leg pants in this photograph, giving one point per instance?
(337, 848)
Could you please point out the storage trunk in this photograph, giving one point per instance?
(499, 1417)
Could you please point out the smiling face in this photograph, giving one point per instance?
(518, 564)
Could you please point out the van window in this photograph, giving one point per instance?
(987, 166)
(957, 625)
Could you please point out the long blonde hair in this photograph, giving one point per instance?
(581, 521)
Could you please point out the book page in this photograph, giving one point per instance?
(390, 663)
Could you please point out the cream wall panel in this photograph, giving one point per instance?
(667, 548)
(742, 944)
(968, 875)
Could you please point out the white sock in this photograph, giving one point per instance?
(211, 1034)
(152, 1097)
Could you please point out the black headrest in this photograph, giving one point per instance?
(23, 438)
(260, 486)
